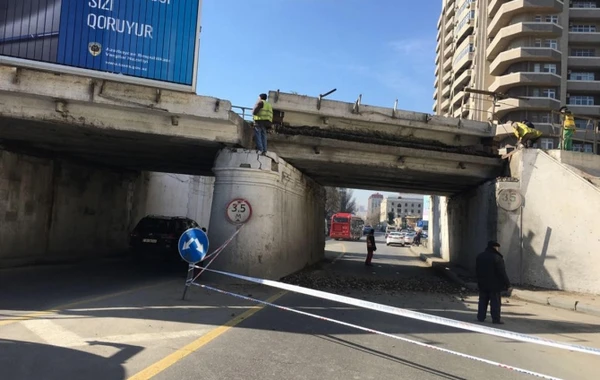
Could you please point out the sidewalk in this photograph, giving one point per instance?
(581, 303)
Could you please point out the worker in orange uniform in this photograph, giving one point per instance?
(568, 128)
(526, 135)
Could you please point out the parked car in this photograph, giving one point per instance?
(159, 235)
(394, 238)
(409, 237)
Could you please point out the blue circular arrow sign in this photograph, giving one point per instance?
(193, 245)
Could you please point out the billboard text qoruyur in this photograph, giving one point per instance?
(152, 42)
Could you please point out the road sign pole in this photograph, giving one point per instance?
(188, 281)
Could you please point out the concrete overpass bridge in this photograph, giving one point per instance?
(360, 146)
(129, 129)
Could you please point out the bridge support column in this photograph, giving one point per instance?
(286, 230)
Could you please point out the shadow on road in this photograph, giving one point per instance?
(24, 360)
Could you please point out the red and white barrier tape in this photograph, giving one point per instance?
(525, 371)
(413, 314)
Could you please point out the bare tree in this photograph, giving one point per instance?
(332, 201)
(347, 201)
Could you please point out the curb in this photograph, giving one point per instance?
(565, 303)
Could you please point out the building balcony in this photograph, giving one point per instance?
(522, 54)
(447, 65)
(522, 29)
(592, 14)
(446, 91)
(445, 105)
(465, 29)
(586, 86)
(447, 78)
(583, 62)
(448, 51)
(435, 94)
(449, 23)
(509, 10)
(461, 112)
(530, 104)
(462, 80)
(434, 108)
(451, 9)
(590, 111)
(584, 38)
(505, 82)
(463, 62)
(449, 37)
(458, 98)
(493, 7)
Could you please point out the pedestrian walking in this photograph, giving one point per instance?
(492, 280)
(263, 120)
(371, 247)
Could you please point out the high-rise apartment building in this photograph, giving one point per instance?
(373, 208)
(543, 54)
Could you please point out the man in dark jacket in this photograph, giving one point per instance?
(371, 247)
(492, 280)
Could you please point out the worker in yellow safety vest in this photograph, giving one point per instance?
(526, 135)
(263, 119)
(568, 128)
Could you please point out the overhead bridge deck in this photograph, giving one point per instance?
(360, 146)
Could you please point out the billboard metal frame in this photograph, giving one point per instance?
(121, 78)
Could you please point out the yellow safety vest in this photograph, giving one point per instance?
(523, 130)
(265, 113)
(569, 122)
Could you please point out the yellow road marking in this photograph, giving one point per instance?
(181, 353)
(56, 309)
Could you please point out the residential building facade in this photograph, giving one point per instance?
(402, 207)
(373, 208)
(538, 55)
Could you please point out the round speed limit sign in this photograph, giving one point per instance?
(509, 199)
(239, 211)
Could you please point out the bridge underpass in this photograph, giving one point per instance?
(125, 129)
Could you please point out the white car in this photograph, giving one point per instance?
(395, 238)
(409, 238)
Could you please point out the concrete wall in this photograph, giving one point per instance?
(438, 227)
(471, 224)
(285, 232)
(53, 210)
(180, 195)
(560, 229)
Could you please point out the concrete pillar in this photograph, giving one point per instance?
(286, 230)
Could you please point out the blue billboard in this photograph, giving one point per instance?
(151, 41)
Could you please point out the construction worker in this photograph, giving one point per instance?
(263, 119)
(568, 128)
(526, 135)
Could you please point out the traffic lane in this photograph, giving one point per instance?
(31, 289)
(123, 334)
(277, 344)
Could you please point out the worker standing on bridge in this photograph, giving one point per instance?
(491, 280)
(525, 134)
(263, 119)
(371, 247)
(568, 128)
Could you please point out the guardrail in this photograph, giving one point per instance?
(244, 112)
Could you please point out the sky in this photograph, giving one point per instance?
(382, 49)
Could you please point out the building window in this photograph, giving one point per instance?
(545, 68)
(584, 124)
(549, 43)
(581, 100)
(588, 148)
(585, 28)
(582, 76)
(547, 18)
(583, 4)
(544, 93)
(583, 52)
(464, 6)
(547, 143)
(465, 20)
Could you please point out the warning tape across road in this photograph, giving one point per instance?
(366, 329)
(412, 314)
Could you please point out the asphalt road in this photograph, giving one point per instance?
(133, 325)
